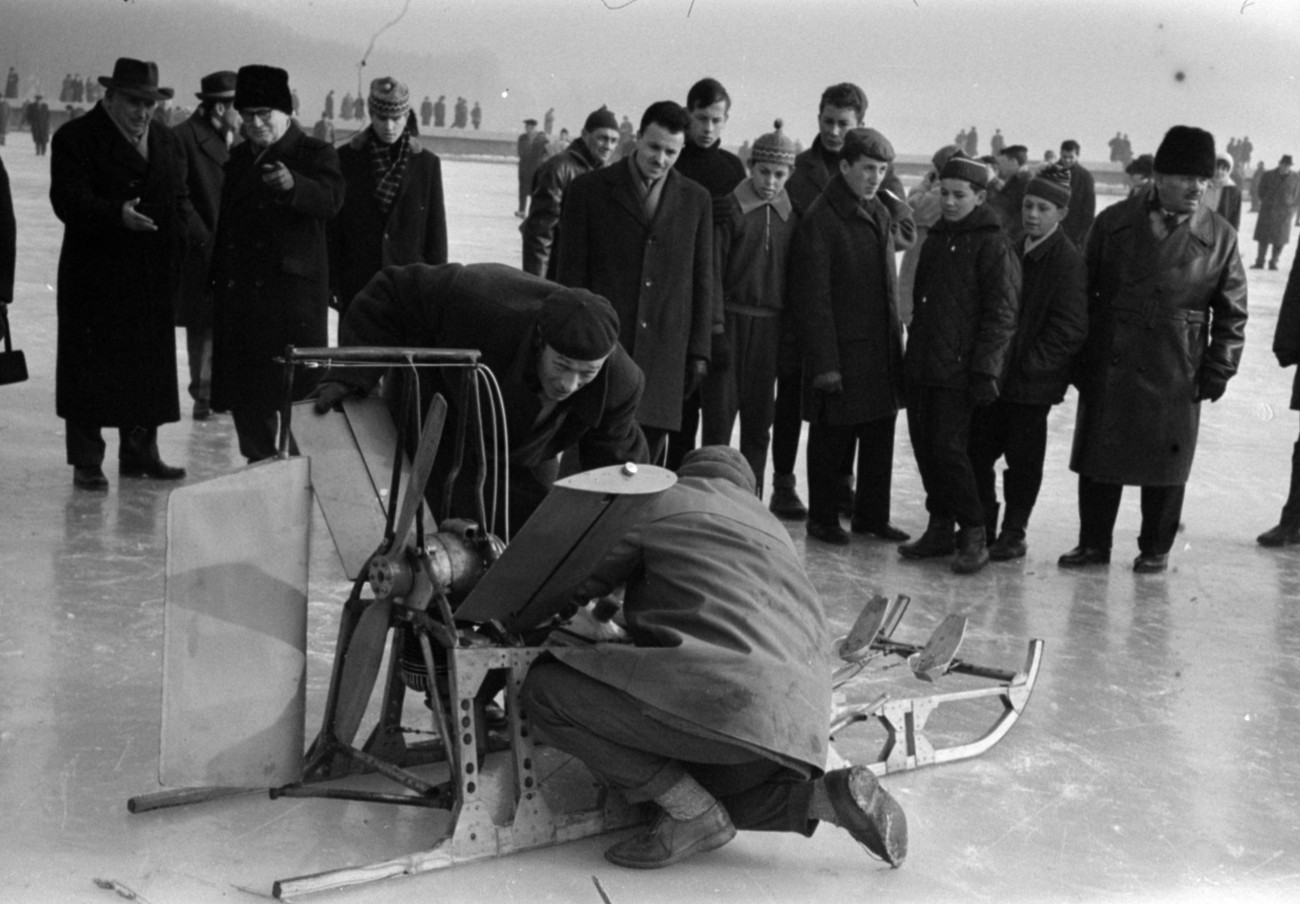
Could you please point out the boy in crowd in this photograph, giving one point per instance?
(751, 244)
(851, 337)
(963, 320)
(1053, 323)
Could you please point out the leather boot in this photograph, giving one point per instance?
(1010, 544)
(1286, 533)
(972, 554)
(785, 501)
(936, 541)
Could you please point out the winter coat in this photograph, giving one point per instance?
(1083, 205)
(811, 176)
(843, 292)
(117, 339)
(729, 635)
(543, 221)
(1279, 193)
(965, 303)
(1052, 324)
(1161, 314)
(1286, 337)
(364, 239)
(206, 154)
(1229, 206)
(658, 274)
(8, 238)
(271, 269)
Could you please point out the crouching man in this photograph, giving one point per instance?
(718, 710)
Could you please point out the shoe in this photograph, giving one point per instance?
(785, 501)
(1084, 555)
(972, 551)
(884, 531)
(670, 840)
(1273, 265)
(1283, 535)
(869, 813)
(828, 533)
(937, 540)
(1150, 563)
(1258, 265)
(1011, 545)
(89, 478)
(155, 469)
(202, 410)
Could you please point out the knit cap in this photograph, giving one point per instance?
(962, 166)
(578, 324)
(774, 147)
(600, 119)
(389, 98)
(1051, 183)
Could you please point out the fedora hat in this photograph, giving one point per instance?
(137, 78)
(217, 86)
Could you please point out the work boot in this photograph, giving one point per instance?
(785, 501)
(868, 812)
(670, 840)
(1287, 533)
(1010, 544)
(972, 553)
(936, 541)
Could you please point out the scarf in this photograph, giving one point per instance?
(388, 168)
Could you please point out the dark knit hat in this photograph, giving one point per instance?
(1143, 165)
(389, 98)
(600, 119)
(1186, 151)
(719, 462)
(217, 86)
(774, 147)
(962, 166)
(943, 155)
(863, 142)
(263, 86)
(578, 324)
(1051, 183)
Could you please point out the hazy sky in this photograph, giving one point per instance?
(1041, 70)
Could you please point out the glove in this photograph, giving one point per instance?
(720, 354)
(1286, 359)
(696, 370)
(330, 395)
(830, 382)
(984, 391)
(1210, 387)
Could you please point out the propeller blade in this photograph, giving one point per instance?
(361, 662)
(413, 494)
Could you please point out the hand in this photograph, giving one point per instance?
(135, 221)
(1286, 359)
(696, 370)
(831, 382)
(720, 354)
(276, 176)
(984, 391)
(330, 395)
(1210, 387)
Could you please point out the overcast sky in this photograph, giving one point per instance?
(1040, 70)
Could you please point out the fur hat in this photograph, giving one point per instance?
(774, 147)
(961, 166)
(389, 98)
(1051, 183)
(263, 86)
(600, 119)
(578, 324)
(1186, 151)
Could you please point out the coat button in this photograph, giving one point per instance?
(644, 325)
(649, 283)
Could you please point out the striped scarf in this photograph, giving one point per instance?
(388, 168)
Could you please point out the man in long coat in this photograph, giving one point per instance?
(205, 140)
(1166, 324)
(1279, 194)
(717, 710)
(393, 212)
(118, 184)
(641, 235)
(270, 267)
(38, 121)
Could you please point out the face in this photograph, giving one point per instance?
(833, 122)
(131, 113)
(1180, 194)
(387, 128)
(225, 114)
(657, 150)
(957, 198)
(707, 123)
(1069, 158)
(562, 376)
(1007, 166)
(864, 175)
(768, 179)
(1040, 216)
(601, 143)
(263, 126)
(1222, 168)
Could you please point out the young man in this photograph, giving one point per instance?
(966, 299)
(1083, 194)
(1052, 325)
(851, 338)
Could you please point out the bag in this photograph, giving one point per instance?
(13, 365)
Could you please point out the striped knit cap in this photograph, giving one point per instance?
(1051, 183)
(774, 147)
(389, 98)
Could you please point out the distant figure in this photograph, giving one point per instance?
(1279, 194)
(1049, 156)
(626, 139)
(997, 142)
(1083, 194)
(345, 109)
(426, 111)
(90, 91)
(359, 108)
(324, 129)
(11, 84)
(960, 140)
(559, 145)
(440, 112)
(531, 149)
(1246, 149)
(1116, 147)
(4, 120)
(1140, 171)
(1126, 151)
(78, 91)
(548, 121)
(329, 105)
(462, 114)
(973, 142)
(38, 121)
(1222, 194)
(65, 92)
(1255, 179)
(476, 116)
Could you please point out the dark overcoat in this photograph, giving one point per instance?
(117, 340)
(271, 269)
(1279, 193)
(539, 228)
(843, 291)
(1083, 205)
(364, 239)
(1159, 313)
(811, 175)
(658, 275)
(1286, 337)
(8, 238)
(206, 154)
(1052, 323)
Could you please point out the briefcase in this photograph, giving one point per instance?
(13, 365)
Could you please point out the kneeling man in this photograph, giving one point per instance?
(719, 709)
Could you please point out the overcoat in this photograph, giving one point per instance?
(364, 240)
(541, 225)
(271, 270)
(811, 175)
(117, 340)
(1052, 323)
(8, 238)
(1286, 336)
(1159, 313)
(206, 154)
(730, 635)
(843, 291)
(657, 273)
(1279, 193)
